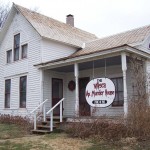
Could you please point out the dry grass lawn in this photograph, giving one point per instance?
(46, 142)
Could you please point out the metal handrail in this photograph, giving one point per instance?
(51, 113)
(35, 113)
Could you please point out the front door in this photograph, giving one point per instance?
(84, 107)
(57, 94)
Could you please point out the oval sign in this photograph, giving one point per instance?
(100, 92)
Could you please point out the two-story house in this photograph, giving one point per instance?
(42, 58)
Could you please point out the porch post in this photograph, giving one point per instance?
(41, 84)
(76, 74)
(124, 69)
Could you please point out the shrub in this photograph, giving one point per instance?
(97, 129)
(23, 122)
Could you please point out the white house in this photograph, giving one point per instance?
(42, 58)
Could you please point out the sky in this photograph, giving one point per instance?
(100, 17)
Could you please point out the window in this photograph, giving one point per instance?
(16, 47)
(7, 93)
(118, 82)
(24, 51)
(23, 87)
(9, 56)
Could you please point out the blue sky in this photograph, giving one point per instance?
(101, 17)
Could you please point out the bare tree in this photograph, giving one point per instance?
(4, 10)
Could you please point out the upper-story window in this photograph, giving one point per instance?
(24, 51)
(9, 56)
(16, 46)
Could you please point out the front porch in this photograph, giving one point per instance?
(75, 105)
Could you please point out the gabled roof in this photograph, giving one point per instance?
(131, 37)
(55, 30)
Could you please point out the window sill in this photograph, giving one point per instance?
(22, 108)
(23, 59)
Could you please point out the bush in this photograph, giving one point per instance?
(138, 120)
(23, 122)
(97, 129)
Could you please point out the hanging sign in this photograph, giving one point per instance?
(100, 92)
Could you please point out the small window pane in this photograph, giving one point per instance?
(24, 51)
(115, 83)
(9, 56)
(120, 84)
(16, 41)
(16, 46)
(118, 101)
(16, 54)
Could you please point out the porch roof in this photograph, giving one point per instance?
(113, 51)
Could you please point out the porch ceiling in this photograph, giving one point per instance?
(88, 65)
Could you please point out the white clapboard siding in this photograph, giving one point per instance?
(52, 50)
(22, 67)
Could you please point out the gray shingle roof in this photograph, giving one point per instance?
(55, 30)
(130, 37)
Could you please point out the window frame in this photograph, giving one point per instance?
(23, 57)
(8, 55)
(7, 93)
(118, 102)
(16, 47)
(22, 92)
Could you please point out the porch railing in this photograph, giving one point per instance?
(35, 112)
(51, 113)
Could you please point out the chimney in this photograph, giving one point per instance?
(70, 20)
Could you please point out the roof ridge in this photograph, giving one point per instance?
(54, 20)
(117, 34)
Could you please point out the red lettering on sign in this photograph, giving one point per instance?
(99, 85)
(109, 92)
(87, 94)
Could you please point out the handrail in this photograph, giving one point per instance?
(51, 113)
(38, 106)
(55, 106)
(35, 113)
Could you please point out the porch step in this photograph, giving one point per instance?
(45, 127)
(55, 118)
(48, 123)
(40, 131)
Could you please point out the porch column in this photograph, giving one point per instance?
(76, 74)
(41, 84)
(124, 69)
